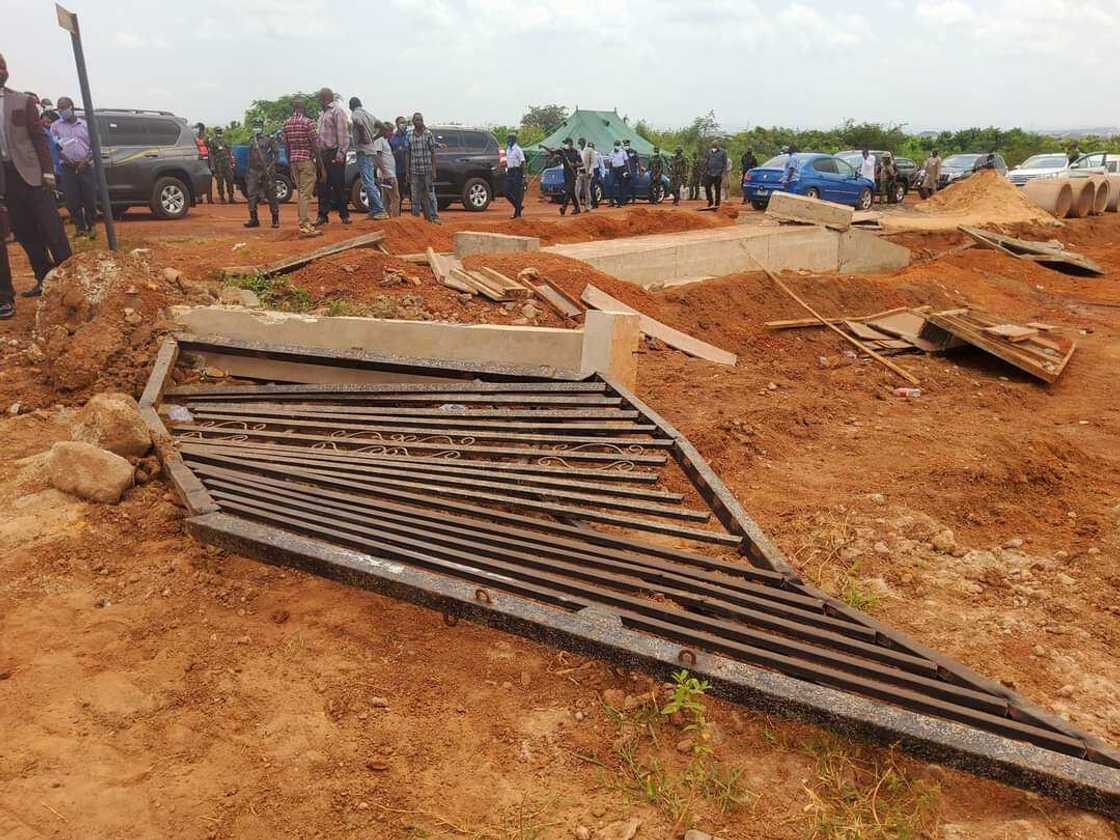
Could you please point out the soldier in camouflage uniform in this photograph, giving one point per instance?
(656, 167)
(261, 175)
(221, 163)
(678, 172)
(695, 176)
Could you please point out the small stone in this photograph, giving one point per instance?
(944, 541)
(520, 322)
(1094, 551)
(377, 765)
(279, 616)
(465, 297)
(693, 834)
(139, 252)
(1066, 580)
(579, 716)
(1014, 542)
(172, 275)
(620, 830)
(773, 386)
(379, 702)
(684, 745)
(530, 310)
(526, 680)
(529, 273)
(881, 548)
(878, 498)
(363, 806)
(242, 640)
(1065, 691)
(14, 408)
(582, 832)
(1039, 650)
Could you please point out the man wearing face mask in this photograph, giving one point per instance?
(398, 141)
(713, 174)
(261, 175)
(633, 168)
(618, 175)
(29, 188)
(570, 160)
(76, 166)
(515, 174)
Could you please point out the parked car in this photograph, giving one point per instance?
(1097, 163)
(907, 170)
(1038, 166)
(958, 167)
(285, 184)
(821, 176)
(469, 168)
(552, 186)
(151, 159)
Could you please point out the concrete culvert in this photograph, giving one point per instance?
(1113, 193)
(1051, 194)
(1100, 197)
(1084, 194)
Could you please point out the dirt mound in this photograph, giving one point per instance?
(409, 234)
(100, 319)
(986, 198)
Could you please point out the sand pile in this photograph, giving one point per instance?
(984, 199)
(100, 319)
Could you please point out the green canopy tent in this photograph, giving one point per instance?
(599, 127)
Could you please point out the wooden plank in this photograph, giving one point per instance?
(366, 240)
(797, 323)
(598, 299)
(482, 280)
(1040, 252)
(887, 363)
(462, 277)
(907, 326)
(1012, 332)
(969, 329)
(512, 287)
(865, 332)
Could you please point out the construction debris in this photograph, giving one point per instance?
(1051, 254)
(1044, 357)
(366, 240)
(598, 299)
(800, 209)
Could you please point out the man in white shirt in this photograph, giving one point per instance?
(867, 166)
(583, 177)
(515, 174)
(619, 163)
(385, 169)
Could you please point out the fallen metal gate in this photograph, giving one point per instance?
(569, 511)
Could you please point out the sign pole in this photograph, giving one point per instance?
(69, 22)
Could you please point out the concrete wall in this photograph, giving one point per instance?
(666, 259)
(469, 242)
(601, 346)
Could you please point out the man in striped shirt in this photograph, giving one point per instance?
(334, 140)
(421, 158)
(302, 142)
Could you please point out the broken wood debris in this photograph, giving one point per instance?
(1051, 254)
(366, 240)
(598, 299)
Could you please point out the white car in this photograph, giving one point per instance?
(1098, 163)
(1038, 166)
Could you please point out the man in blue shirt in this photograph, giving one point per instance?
(714, 168)
(793, 166)
(398, 142)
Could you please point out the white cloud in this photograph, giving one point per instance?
(132, 41)
(810, 28)
(946, 12)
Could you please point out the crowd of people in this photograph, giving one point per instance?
(389, 154)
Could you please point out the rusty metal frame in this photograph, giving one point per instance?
(1090, 778)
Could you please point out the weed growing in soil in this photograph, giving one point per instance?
(649, 768)
(274, 292)
(867, 794)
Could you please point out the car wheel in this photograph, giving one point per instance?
(864, 202)
(170, 198)
(656, 193)
(813, 192)
(758, 205)
(899, 193)
(284, 189)
(476, 195)
(358, 196)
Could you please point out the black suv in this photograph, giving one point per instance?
(151, 159)
(468, 168)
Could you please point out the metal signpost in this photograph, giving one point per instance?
(69, 22)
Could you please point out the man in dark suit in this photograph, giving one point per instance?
(7, 293)
(29, 181)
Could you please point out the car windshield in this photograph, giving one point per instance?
(961, 161)
(778, 162)
(1044, 162)
(853, 159)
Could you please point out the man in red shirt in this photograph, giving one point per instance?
(302, 142)
(204, 153)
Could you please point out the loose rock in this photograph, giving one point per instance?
(113, 422)
(621, 830)
(88, 472)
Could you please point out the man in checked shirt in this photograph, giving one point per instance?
(334, 140)
(302, 140)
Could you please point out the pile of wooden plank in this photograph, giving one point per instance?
(373, 239)
(1050, 254)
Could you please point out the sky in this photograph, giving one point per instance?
(938, 64)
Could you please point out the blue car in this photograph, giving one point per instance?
(552, 186)
(820, 176)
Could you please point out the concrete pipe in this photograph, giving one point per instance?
(1114, 192)
(1084, 194)
(1053, 195)
(1100, 197)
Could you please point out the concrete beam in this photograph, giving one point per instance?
(811, 211)
(610, 342)
(470, 242)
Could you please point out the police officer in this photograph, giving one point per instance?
(678, 171)
(570, 160)
(656, 167)
(695, 176)
(261, 175)
(633, 167)
(221, 164)
(515, 174)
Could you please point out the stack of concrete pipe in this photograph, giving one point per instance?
(1101, 197)
(1114, 193)
(1056, 197)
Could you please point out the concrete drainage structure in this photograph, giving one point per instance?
(560, 507)
(675, 258)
